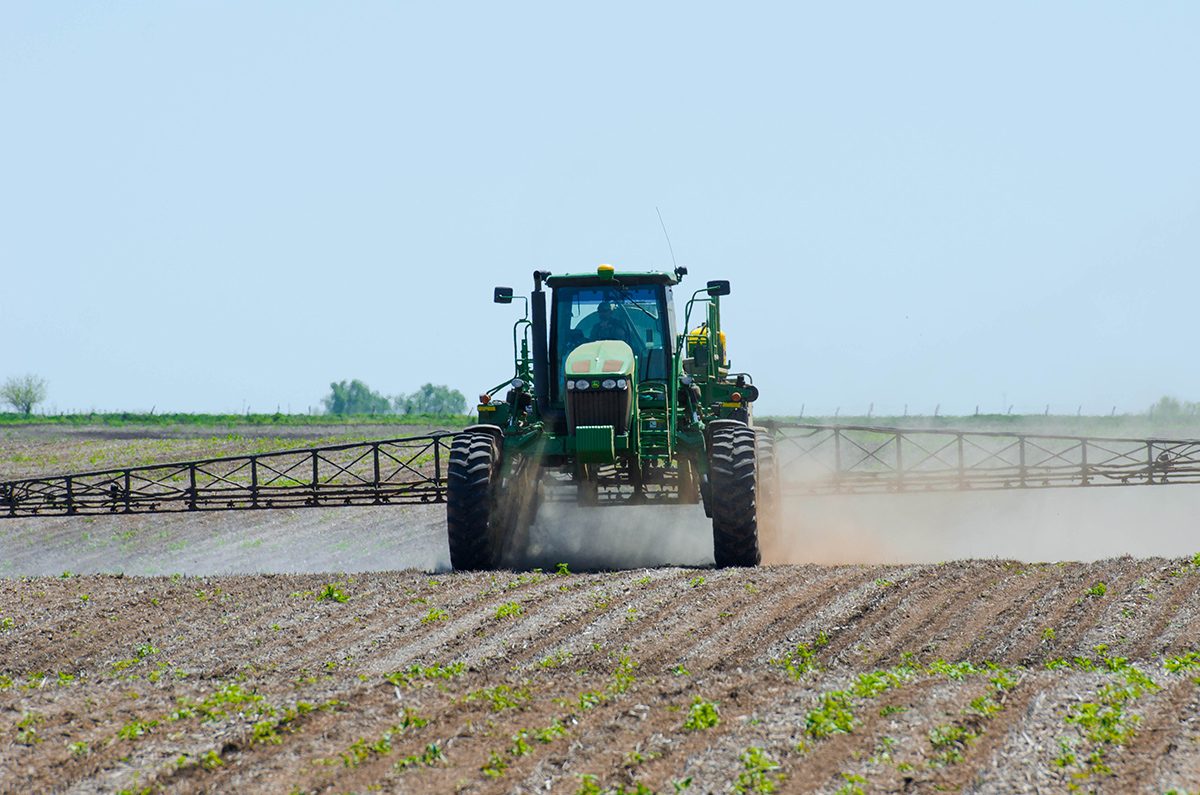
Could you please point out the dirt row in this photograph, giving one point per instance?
(993, 676)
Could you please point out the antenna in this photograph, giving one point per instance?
(668, 237)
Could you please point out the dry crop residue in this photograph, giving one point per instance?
(986, 676)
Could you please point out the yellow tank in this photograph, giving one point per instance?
(699, 337)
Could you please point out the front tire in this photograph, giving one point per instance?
(471, 476)
(733, 479)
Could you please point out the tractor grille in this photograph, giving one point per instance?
(599, 407)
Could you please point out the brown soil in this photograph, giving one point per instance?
(979, 676)
(100, 672)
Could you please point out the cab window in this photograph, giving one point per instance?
(635, 315)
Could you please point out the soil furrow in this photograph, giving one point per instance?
(82, 674)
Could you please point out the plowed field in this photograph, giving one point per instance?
(993, 676)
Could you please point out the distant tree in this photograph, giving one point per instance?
(1170, 408)
(431, 399)
(355, 397)
(24, 393)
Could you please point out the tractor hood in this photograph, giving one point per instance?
(602, 358)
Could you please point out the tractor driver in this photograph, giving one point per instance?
(609, 326)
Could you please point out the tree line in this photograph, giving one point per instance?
(355, 397)
(347, 397)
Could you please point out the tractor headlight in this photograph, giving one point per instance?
(581, 383)
(622, 383)
(609, 384)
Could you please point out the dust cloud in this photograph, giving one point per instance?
(1079, 524)
(283, 541)
(616, 537)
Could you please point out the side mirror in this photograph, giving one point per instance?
(718, 287)
(503, 295)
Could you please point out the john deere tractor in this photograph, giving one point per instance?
(608, 405)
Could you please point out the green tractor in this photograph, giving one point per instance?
(608, 405)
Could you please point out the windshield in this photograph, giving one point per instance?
(634, 315)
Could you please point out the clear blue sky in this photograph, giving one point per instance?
(205, 206)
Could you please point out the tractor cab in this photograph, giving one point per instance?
(594, 316)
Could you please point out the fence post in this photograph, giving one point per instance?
(837, 457)
(128, 497)
(437, 466)
(315, 481)
(1022, 446)
(962, 466)
(192, 486)
(254, 481)
(70, 497)
(1084, 480)
(899, 463)
(375, 457)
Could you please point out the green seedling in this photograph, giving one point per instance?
(1104, 723)
(135, 729)
(622, 677)
(1065, 757)
(875, 683)
(957, 671)
(949, 743)
(431, 755)
(1099, 589)
(500, 697)
(332, 593)
(798, 662)
(495, 766)
(985, 706)
(508, 610)
(851, 787)
(757, 767)
(1004, 680)
(1184, 662)
(834, 716)
(435, 614)
(520, 746)
(702, 715)
(415, 673)
(551, 732)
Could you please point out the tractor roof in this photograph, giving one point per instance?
(626, 278)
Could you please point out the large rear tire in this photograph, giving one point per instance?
(733, 476)
(471, 476)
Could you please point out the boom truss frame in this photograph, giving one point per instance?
(813, 460)
(399, 471)
(860, 459)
